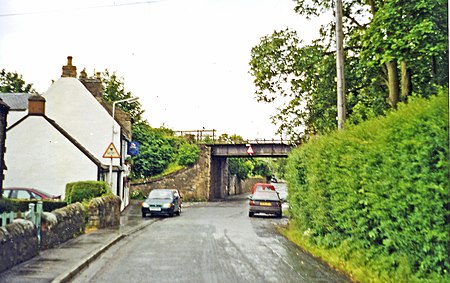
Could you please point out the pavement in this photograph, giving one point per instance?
(62, 263)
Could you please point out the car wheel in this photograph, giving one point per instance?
(250, 214)
(178, 211)
(278, 215)
(144, 214)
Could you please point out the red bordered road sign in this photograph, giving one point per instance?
(111, 152)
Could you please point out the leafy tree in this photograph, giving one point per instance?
(114, 90)
(261, 167)
(13, 83)
(393, 49)
(156, 151)
(240, 167)
(233, 139)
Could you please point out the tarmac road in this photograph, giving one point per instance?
(210, 242)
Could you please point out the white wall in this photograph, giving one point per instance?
(76, 110)
(39, 156)
(14, 116)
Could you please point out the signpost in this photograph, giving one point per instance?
(111, 152)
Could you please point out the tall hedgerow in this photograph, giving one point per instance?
(379, 192)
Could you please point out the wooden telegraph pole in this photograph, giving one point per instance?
(340, 67)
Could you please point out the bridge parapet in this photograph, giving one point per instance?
(259, 150)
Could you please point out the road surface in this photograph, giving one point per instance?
(210, 242)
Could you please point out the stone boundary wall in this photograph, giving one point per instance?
(193, 182)
(104, 212)
(62, 224)
(18, 242)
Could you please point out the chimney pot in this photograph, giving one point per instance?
(36, 105)
(69, 70)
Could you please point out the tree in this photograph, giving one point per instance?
(14, 83)
(155, 153)
(393, 49)
(262, 168)
(114, 90)
(233, 139)
(240, 167)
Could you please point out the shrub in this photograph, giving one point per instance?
(188, 154)
(382, 188)
(137, 194)
(16, 205)
(85, 190)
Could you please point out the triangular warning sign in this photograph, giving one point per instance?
(250, 150)
(111, 152)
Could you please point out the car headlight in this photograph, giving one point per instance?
(167, 205)
(144, 204)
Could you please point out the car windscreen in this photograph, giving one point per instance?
(265, 195)
(160, 194)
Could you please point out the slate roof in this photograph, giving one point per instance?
(16, 101)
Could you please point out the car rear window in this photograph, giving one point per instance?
(266, 195)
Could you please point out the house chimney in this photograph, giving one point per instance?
(69, 70)
(93, 84)
(36, 105)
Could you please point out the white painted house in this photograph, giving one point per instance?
(87, 119)
(43, 155)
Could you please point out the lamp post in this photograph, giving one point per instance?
(128, 100)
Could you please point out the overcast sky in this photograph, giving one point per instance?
(187, 60)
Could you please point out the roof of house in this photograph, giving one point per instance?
(16, 101)
(69, 138)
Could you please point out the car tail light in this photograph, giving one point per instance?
(252, 202)
(279, 203)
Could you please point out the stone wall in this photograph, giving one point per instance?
(192, 182)
(62, 224)
(18, 242)
(243, 186)
(104, 212)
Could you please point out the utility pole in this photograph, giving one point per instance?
(340, 66)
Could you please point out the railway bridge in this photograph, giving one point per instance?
(221, 152)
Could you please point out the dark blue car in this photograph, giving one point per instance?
(162, 202)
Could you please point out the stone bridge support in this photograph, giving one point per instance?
(219, 178)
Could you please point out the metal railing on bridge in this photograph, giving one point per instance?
(210, 137)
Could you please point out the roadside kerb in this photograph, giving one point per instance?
(65, 277)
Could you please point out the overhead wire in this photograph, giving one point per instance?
(81, 8)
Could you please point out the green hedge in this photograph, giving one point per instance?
(7, 205)
(188, 154)
(380, 192)
(85, 190)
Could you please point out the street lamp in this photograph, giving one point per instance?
(128, 100)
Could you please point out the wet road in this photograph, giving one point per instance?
(211, 242)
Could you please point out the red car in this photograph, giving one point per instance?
(27, 193)
(262, 187)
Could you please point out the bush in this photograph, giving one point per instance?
(188, 154)
(137, 194)
(85, 190)
(381, 188)
(7, 205)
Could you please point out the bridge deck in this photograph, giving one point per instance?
(259, 150)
